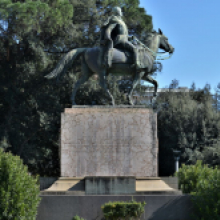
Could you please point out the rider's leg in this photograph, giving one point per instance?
(128, 45)
(106, 54)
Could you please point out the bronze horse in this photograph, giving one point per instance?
(121, 62)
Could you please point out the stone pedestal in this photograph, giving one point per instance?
(109, 141)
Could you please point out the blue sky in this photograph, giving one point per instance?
(193, 29)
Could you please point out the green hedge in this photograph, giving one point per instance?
(123, 210)
(190, 175)
(19, 192)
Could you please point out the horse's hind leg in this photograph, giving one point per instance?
(86, 73)
(102, 83)
(136, 80)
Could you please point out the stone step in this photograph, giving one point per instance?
(144, 185)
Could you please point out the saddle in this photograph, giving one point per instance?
(144, 58)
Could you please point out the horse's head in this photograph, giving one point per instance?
(163, 43)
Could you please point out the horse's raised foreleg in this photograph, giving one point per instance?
(86, 73)
(102, 83)
(136, 80)
(155, 83)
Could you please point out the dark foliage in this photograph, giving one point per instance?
(34, 35)
(190, 123)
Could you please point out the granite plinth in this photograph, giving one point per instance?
(109, 141)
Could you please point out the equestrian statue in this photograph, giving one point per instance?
(117, 55)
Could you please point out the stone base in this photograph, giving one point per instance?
(143, 186)
(110, 185)
(67, 184)
(156, 184)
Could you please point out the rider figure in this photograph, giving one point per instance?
(114, 33)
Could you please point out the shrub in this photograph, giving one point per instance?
(19, 193)
(203, 183)
(77, 218)
(206, 199)
(121, 209)
(189, 176)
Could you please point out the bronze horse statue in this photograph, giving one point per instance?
(121, 62)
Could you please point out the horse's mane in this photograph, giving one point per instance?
(157, 65)
(149, 37)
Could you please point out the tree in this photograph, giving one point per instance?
(174, 84)
(36, 35)
(27, 122)
(217, 98)
(188, 123)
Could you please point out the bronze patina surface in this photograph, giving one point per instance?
(117, 56)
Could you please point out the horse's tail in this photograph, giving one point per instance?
(65, 62)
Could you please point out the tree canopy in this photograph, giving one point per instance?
(190, 123)
(34, 35)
